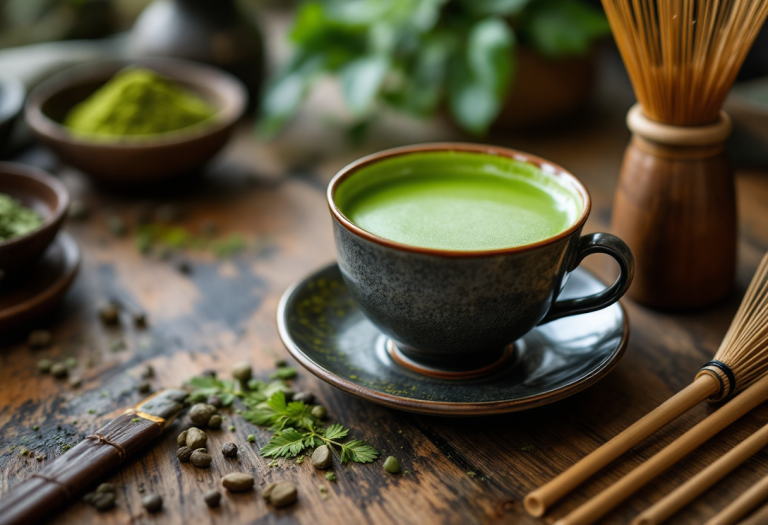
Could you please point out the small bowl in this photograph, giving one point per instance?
(43, 193)
(12, 93)
(136, 160)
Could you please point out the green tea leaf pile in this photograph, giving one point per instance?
(296, 425)
(15, 219)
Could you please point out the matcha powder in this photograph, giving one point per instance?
(137, 102)
(15, 219)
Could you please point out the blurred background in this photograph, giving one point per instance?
(399, 70)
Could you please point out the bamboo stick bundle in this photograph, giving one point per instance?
(601, 504)
(694, 487)
(741, 360)
(744, 504)
(760, 517)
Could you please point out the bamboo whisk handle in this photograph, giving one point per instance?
(538, 501)
(601, 504)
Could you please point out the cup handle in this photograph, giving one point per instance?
(589, 244)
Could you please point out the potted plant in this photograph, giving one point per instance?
(485, 61)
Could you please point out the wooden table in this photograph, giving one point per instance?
(461, 470)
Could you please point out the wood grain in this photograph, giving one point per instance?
(461, 471)
(676, 209)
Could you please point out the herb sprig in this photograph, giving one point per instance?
(295, 429)
(257, 392)
(308, 433)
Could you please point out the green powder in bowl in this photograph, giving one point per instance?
(15, 219)
(137, 103)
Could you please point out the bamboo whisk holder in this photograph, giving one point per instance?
(675, 207)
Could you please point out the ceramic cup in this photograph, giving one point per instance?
(460, 310)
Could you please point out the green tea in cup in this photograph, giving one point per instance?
(442, 200)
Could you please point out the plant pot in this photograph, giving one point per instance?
(545, 90)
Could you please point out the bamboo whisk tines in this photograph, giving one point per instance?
(683, 55)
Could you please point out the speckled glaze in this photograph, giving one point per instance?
(459, 309)
(324, 329)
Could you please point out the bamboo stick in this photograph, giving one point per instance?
(542, 498)
(684, 445)
(688, 491)
(742, 505)
(760, 517)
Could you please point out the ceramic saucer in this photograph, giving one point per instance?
(323, 328)
(23, 298)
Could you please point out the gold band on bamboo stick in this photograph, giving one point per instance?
(160, 421)
(742, 505)
(601, 504)
(538, 501)
(694, 487)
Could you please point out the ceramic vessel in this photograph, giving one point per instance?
(459, 310)
(325, 331)
(215, 33)
(43, 193)
(139, 160)
(675, 206)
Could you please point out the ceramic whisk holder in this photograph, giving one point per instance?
(675, 207)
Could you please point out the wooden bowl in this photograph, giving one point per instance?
(42, 192)
(136, 160)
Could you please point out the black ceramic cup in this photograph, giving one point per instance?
(460, 310)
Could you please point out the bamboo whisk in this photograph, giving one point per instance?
(675, 204)
(741, 360)
(682, 56)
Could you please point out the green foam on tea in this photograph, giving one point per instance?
(458, 201)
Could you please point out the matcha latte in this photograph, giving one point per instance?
(448, 200)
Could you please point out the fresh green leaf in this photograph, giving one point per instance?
(226, 398)
(358, 451)
(284, 372)
(204, 386)
(278, 414)
(361, 81)
(560, 28)
(285, 93)
(285, 443)
(421, 89)
(335, 431)
(495, 7)
(489, 55)
(479, 83)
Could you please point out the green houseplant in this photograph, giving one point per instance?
(419, 56)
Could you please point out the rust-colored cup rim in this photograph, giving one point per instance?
(45, 179)
(546, 166)
(232, 90)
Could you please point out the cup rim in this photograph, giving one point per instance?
(546, 166)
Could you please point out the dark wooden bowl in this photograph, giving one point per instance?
(42, 192)
(136, 160)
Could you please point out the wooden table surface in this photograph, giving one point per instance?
(461, 470)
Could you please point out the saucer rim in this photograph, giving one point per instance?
(51, 295)
(442, 408)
